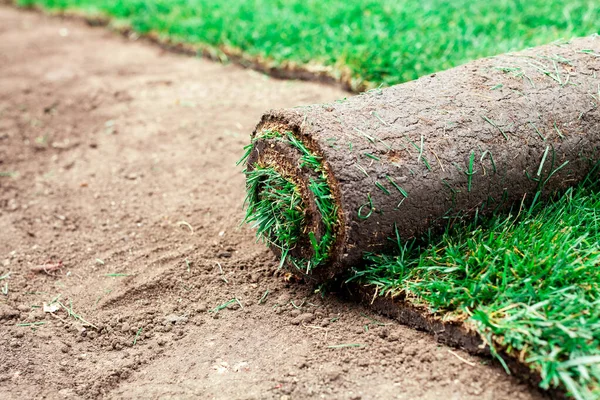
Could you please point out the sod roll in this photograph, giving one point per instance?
(328, 183)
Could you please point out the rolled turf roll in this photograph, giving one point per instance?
(328, 183)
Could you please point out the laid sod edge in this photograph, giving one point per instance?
(274, 204)
(457, 334)
(528, 286)
(360, 45)
(287, 70)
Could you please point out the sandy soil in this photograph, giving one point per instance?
(118, 160)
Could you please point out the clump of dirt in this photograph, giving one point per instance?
(125, 272)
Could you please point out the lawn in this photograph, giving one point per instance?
(527, 282)
(364, 43)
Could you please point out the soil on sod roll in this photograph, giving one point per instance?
(400, 161)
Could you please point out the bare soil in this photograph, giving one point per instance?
(119, 193)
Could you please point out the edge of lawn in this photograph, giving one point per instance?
(453, 332)
(286, 70)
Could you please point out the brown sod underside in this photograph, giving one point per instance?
(461, 143)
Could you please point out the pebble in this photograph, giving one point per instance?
(8, 313)
(303, 318)
(393, 337)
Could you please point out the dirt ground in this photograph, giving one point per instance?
(118, 160)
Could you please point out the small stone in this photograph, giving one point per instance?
(383, 333)
(393, 337)
(332, 376)
(125, 327)
(8, 313)
(303, 318)
(201, 307)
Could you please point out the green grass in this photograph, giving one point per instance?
(529, 284)
(274, 204)
(274, 208)
(373, 41)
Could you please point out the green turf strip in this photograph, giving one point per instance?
(376, 41)
(528, 283)
(274, 204)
